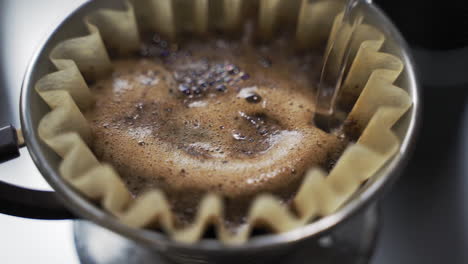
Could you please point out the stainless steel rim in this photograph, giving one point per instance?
(82, 207)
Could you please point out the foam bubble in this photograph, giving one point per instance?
(247, 91)
(213, 151)
(147, 80)
(139, 133)
(198, 104)
(121, 85)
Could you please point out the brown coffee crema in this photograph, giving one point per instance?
(216, 116)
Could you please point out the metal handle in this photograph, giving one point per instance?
(9, 143)
(18, 201)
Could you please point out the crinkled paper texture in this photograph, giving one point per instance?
(378, 104)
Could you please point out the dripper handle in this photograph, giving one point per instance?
(10, 142)
(27, 203)
(23, 202)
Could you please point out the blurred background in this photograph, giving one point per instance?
(424, 217)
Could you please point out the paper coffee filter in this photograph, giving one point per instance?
(378, 104)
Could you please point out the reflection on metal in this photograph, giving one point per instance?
(352, 243)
